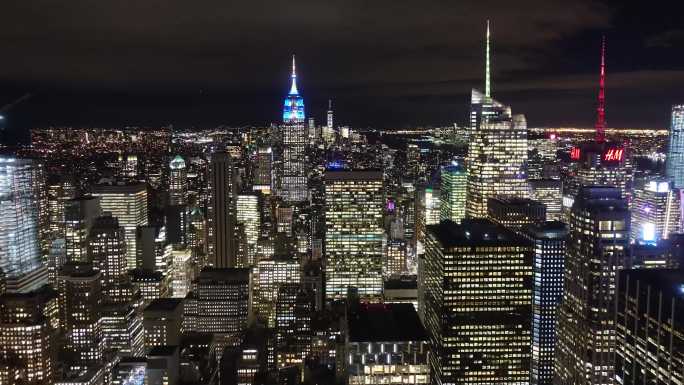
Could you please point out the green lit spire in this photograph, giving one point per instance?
(488, 86)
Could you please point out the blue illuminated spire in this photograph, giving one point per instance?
(293, 88)
(293, 109)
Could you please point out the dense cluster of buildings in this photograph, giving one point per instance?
(305, 253)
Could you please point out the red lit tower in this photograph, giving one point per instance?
(601, 108)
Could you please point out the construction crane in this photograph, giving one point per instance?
(4, 109)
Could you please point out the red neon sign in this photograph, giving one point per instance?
(614, 155)
(575, 153)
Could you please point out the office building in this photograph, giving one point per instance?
(107, 252)
(219, 301)
(549, 192)
(269, 275)
(27, 337)
(453, 190)
(597, 245)
(294, 179)
(329, 121)
(395, 257)
(401, 289)
(655, 211)
(480, 275)
(515, 213)
(80, 301)
(163, 322)
(248, 215)
(123, 334)
(221, 226)
(178, 182)
(353, 220)
(549, 241)
(497, 152)
(294, 307)
(263, 174)
(182, 273)
(675, 150)
(650, 327)
(151, 284)
(128, 203)
(385, 344)
(20, 249)
(79, 214)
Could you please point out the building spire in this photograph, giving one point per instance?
(293, 88)
(601, 108)
(488, 86)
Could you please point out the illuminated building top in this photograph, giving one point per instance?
(293, 110)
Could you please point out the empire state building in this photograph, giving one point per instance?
(294, 181)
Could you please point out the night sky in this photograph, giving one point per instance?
(385, 63)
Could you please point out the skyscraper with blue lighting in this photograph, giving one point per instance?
(293, 184)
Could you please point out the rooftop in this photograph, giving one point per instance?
(386, 323)
(164, 304)
(475, 232)
(353, 175)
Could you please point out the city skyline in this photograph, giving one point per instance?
(378, 74)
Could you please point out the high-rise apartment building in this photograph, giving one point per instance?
(655, 211)
(20, 252)
(221, 226)
(453, 193)
(128, 203)
(549, 241)
(475, 300)
(675, 149)
(650, 327)
(178, 182)
(354, 235)
(597, 246)
(294, 179)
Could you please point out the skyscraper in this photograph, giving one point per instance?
(650, 332)
(330, 115)
(549, 240)
(269, 275)
(178, 182)
(80, 300)
(354, 234)
(128, 203)
(597, 245)
(79, 216)
(515, 213)
(675, 149)
(497, 153)
(475, 300)
(247, 214)
(20, 254)
(263, 174)
(221, 234)
(453, 190)
(107, 252)
(655, 211)
(550, 193)
(27, 337)
(294, 180)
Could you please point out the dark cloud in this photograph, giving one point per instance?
(227, 61)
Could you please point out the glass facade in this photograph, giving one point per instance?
(19, 244)
(675, 150)
(354, 202)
